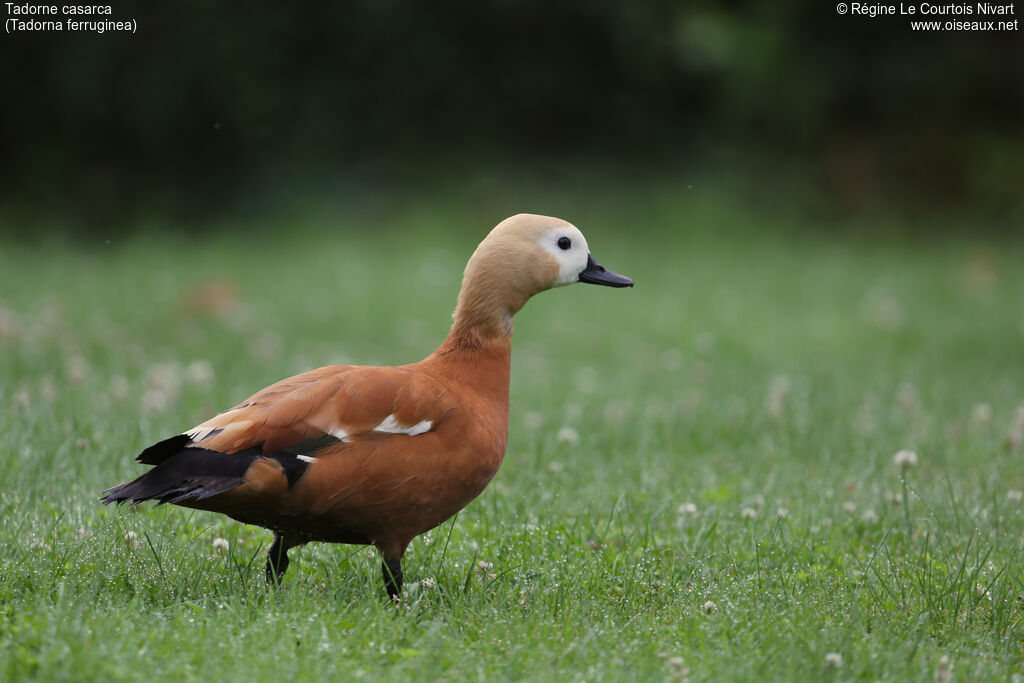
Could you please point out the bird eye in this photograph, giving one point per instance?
(564, 243)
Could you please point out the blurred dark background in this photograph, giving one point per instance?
(212, 105)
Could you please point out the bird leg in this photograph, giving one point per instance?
(277, 558)
(392, 570)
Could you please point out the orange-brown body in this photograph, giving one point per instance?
(378, 488)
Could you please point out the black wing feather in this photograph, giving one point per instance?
(191, 473)
(158, 452)
(184, 472)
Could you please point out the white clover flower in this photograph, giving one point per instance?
(688, 509)
(894, 497)
(680, 671)
(484, 565)
(944, 670)
(428, 584)
(1014, 495)
(849, 507)
(748, 513)
(869, 516)
(981, 416)
(119, 387)
(782, 513)
(200, 372)
(569, 436)
(131, 537)
(220, 545)
(833, 660)
(154, 401)
(22, 397)
(164, 377)
(78, 369)
(905, 459)
(709, 607)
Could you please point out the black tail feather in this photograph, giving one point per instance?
(158, 452)
(189, 474)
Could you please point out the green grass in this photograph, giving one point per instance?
(765, 376)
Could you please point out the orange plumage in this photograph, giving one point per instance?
(376, 455)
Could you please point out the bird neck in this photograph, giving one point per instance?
(495, 286)
(477, 323)
(480, 361)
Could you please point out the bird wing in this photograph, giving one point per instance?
(269, 440)
(308, 412)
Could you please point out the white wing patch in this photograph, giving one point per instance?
(339, 433)
(197, 434)
(305, 458)
(421, 427)
(391, 426)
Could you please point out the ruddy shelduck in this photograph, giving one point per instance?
(376, 455)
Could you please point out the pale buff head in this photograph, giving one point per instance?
(522, 256)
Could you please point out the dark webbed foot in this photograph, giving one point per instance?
(277, 559)
(392, 570)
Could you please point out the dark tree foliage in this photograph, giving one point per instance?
(207, 95)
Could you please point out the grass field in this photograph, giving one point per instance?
(700, 479)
